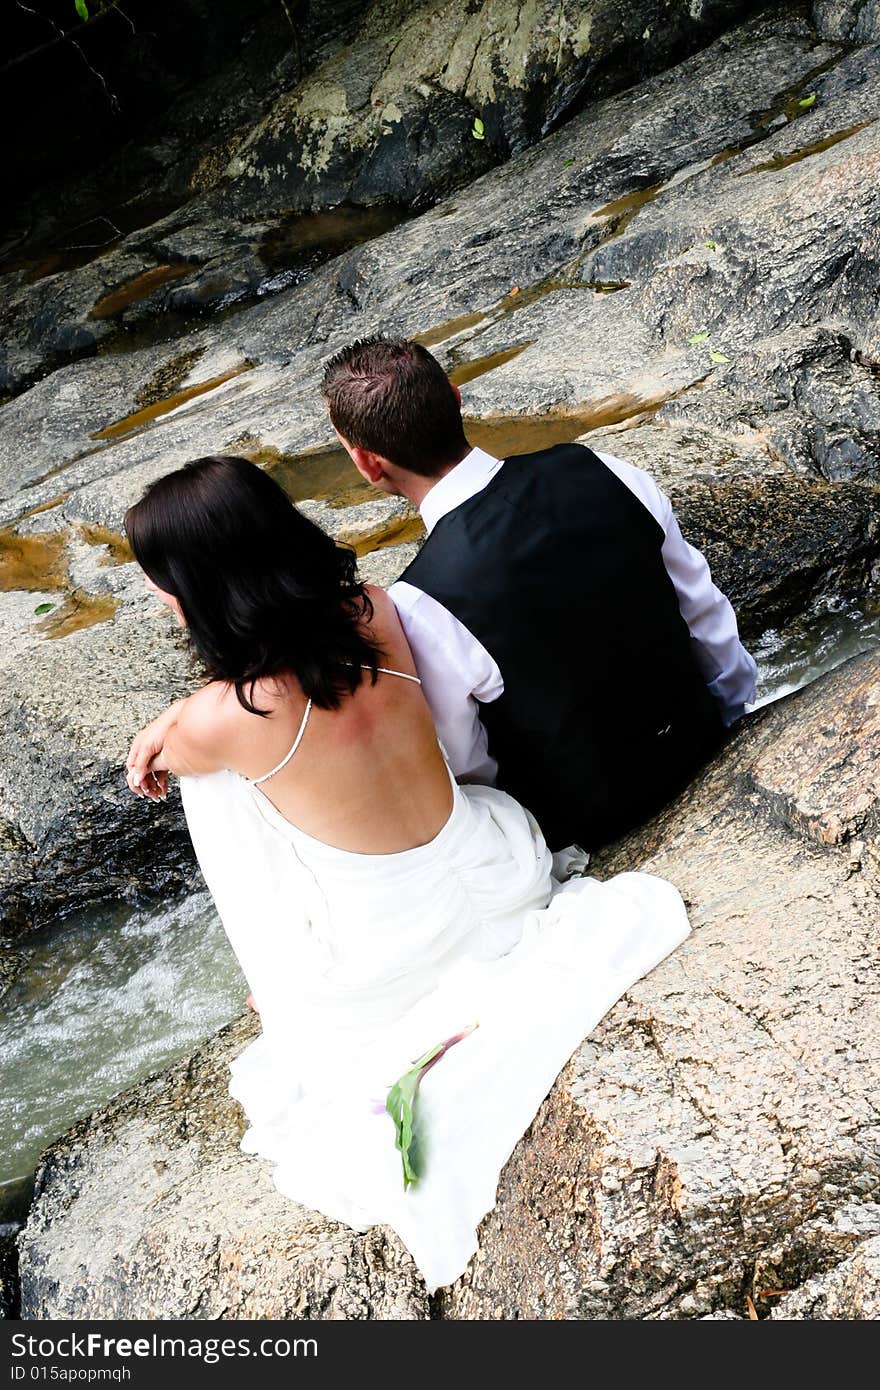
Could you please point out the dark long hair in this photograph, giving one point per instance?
(263, 590)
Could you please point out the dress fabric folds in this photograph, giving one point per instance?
(360, 963)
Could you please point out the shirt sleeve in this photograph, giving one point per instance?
(457, 673)
(726, 666)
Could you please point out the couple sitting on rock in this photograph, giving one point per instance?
(393, 795)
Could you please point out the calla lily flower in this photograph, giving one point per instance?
(402, 1099)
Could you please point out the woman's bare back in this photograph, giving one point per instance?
(367, 777)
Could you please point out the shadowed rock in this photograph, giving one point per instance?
(356, 105)
(856, 20)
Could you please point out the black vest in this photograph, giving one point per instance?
(556, 567)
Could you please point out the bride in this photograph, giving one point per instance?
(377, 909)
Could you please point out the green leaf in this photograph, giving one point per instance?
(806, 102)
(401, 1104)
(43, 608)
(698, 337)
(479, 130)
(567, 163)
(718, 356)
(712, 245)
(82, 9)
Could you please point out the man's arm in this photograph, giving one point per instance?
(726, 666)
(457, 673)
(728, 669)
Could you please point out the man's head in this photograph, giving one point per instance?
(395, 411)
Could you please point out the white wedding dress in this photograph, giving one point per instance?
(361, 963)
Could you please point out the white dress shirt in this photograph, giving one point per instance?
(457, 672)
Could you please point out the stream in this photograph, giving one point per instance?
(110, 995)
(107, 996)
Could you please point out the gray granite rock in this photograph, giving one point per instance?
(855, 20)
(385, 119)
(74, 833)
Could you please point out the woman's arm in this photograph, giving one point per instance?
(144, 748)
(186, 739)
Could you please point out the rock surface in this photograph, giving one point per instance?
(181, 1224)
(732, 201)
(384, 119)
(851, 1290)
(73, 833)
(856, 20)
(716, 1138)
(392, 114)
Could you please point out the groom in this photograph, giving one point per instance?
(571, 644)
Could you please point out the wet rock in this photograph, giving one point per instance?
(806, 394)
(160, 1215)
(392, 115)
(12, 955)
(747, 459)
(8, 1276)
(8, 1279)
(779, 546)
(167, 99)
(74, 834)
(715, 1137)
(387, 119)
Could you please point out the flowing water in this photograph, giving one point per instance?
(107, 997)
(816, 643)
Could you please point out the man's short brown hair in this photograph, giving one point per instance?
(389, 395)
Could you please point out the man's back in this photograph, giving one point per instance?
(556, 567)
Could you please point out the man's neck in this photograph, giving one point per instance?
(415, 488)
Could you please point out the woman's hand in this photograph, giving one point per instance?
(153, 786)
(146, 773)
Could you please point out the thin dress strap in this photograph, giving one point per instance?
(386, 670)
(255, 781)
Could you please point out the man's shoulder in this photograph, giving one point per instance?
(639, 483)
(405, 596)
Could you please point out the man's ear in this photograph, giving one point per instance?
(369, 465)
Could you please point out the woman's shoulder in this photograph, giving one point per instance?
(208, 716)
(199, 740)
(384, 612)
(387, 632)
